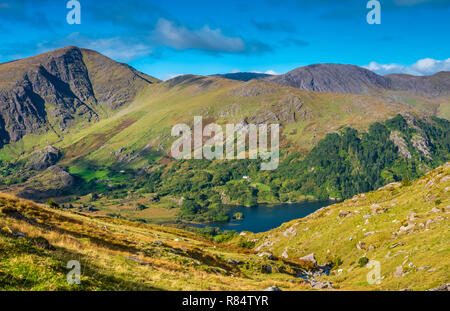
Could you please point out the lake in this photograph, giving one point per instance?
(265, 217)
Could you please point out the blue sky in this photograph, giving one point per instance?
(171, 37)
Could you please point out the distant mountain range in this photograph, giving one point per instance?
(93, 118)
(69, 87)
(338, 78)
(243, 76)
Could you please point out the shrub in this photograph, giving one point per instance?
(246, 244)
(52, 204)
(363, 261)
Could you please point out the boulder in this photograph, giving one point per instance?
(267, 255)
(407, 228)
(344, 214)
(311, 258)
(43, 243)
(398, 272)
(44, 158)
(273, 289)
(320, 284)
(442, 288)
(377, 209)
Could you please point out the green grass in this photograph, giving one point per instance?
(88, 174)
(423, 251)
(121, 255)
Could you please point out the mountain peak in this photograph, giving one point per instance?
(335, 78)
(54, 90)
(342, 78)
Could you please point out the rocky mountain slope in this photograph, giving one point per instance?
(338, 78)
(402, 226)
(55, 90)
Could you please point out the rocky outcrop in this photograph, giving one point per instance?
(53, 182)
(44, 158)
(309, 258)
(399, 140)
(442, 288)
(254, 88)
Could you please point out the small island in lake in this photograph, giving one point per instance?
(238, 216)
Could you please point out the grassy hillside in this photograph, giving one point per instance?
(36, 242)
(399, 225)
(403, 226)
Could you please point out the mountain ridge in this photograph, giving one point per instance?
(339, 78)
(352, 79)
(55, 90)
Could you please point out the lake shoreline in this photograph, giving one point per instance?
(264, 216)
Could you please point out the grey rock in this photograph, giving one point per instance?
(442, 288)
(321, 284)
(272, 289)
(311, 258)
(267, 255)
(266, 269)
(45, 158)
(398, 272)
(344, 214)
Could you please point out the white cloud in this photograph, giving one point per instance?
(169, 76)
(426, 66)
(271, 72)
(116, 48)
(268, 72)
(179, 37)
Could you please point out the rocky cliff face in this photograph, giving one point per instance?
(54, 90)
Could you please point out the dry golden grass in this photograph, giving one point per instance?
(121, 255)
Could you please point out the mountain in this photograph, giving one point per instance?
(333, 78)
(338, 78)
(431, 86)
(56, 90)
(243, 76)
(402, 226)
(103, 139)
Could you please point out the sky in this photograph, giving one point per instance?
(167, 38)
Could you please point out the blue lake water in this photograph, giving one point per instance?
(265, 217)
